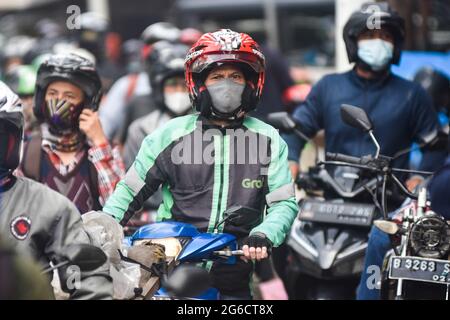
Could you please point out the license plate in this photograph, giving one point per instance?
(355, 214)
(420, 269)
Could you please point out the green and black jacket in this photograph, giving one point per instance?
(205, 169)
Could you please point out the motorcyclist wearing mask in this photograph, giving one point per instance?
(71, 154)
(205, 165)
(401, 110)
(35, 220)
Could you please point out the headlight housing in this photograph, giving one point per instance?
(430, 236)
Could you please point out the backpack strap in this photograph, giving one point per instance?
(93, 176)
(31, 164)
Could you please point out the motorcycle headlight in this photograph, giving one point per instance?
(430, 236)
(172, 246)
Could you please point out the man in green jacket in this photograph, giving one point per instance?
(217, 158)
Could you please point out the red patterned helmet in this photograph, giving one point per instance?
(225, 46)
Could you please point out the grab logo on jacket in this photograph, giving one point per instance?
(20, 227)
(252, 184)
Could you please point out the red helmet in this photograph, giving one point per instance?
(220, 47)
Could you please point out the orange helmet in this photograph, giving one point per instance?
(224, 46)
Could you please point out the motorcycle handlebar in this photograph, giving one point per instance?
(343, 158)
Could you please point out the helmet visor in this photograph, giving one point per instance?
(202, 62)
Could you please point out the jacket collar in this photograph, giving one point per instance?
(372, 83)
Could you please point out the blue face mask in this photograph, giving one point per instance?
(376, 53)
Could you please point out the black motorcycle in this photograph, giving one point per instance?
(328, 239)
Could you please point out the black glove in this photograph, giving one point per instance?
(258, 240)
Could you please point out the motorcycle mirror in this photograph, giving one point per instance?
(87, 257)
(388, 227)
(356, 117)
(282, 121)
(188, 281)
(241, 216)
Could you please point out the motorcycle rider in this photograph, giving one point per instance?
(224, 72)
(35, 220)
(400, 109)
(71, 154)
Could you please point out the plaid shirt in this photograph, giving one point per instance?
(107, 161)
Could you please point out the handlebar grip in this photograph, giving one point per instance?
(343, 158)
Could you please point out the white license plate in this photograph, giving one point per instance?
(420, 269)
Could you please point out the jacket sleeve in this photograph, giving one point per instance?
(68, 229)
(309, 118)
(141, 181)
(282, 206)
(110, 168)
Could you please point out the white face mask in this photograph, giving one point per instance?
(177, 102)
(376, 53)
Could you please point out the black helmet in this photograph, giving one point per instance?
(72, 68)
(436, 84)
(11, 128)
(367, 17)
(165, 61)
(160, 31)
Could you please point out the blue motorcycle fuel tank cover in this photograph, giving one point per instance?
(205, 243)
(167, 229)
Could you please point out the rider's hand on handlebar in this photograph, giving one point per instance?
(256, 247)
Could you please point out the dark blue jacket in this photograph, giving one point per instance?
(401, 112)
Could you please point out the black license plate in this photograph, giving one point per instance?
(420, 269)
(356, 214)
